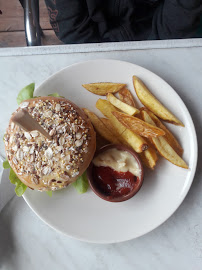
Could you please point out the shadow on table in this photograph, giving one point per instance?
(7, 244)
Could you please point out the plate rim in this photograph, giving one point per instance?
(191, 178)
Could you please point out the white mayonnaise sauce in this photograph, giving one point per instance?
(119, 160)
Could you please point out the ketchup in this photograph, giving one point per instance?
(112, 183)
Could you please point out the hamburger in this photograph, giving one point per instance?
(44, 164)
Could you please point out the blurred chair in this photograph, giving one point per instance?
(33, 31)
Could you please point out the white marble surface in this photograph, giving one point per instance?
(27, 243)
(103, 47)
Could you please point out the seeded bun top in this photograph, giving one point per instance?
(44, 164)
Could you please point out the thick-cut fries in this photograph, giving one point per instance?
(107, 108)
(149, 157)
(121, 126)
(168, 135)
(103, 88)
(108, 125)
(138, 126)
(152, 103)
(101, 128)
(163, 146)
(121, 105)
(134, 140)
(126, 96)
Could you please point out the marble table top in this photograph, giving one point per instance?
(27, 243)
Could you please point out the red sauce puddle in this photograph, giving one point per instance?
(112, 183)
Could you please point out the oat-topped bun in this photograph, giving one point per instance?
(49, 165)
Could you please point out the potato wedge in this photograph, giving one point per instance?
(168, 135)
(135, 141)
(149, 157)
(152, 103)
(106, 109)
(130, 138)
(108, 125)
(138, 126)
(103, 88)
(100, 127)
(126, 97)
(163, 146)
(121, 105)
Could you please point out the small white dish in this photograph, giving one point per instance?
(87, 217)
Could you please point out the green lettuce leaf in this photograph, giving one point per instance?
(50, 193)
(6, 164)
(51, 95)
(55, 95)
(26, 93)
(20, 187)
(81, 183)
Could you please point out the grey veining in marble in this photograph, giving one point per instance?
(27, 243)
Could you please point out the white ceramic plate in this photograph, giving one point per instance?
(91, 219)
